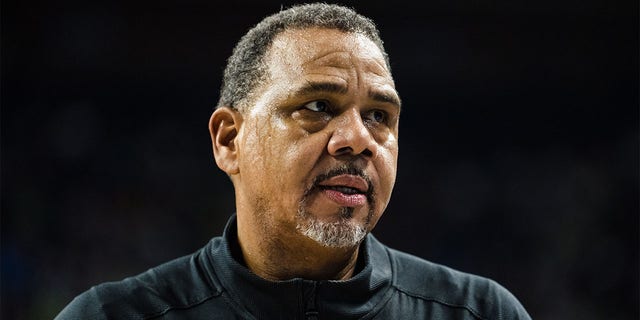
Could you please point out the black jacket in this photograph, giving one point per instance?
(211, 284)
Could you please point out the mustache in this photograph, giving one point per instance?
(349, 169)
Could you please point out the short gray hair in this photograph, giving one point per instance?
(246, 69)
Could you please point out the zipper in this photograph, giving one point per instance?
(310, 301)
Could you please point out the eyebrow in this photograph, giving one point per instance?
(385, 97)
(338, 88)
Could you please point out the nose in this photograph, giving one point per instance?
(351, 136)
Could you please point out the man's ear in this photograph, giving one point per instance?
(224, 126)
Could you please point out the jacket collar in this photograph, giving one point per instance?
(363, 294)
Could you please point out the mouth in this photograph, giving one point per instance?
(342, 189)
(345, 183)
(345, 186)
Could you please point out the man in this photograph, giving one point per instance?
(307, 130)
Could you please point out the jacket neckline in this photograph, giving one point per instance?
(363, 294)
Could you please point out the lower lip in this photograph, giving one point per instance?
(346, 200)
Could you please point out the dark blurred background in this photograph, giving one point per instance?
(519, 143)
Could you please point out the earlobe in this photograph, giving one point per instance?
(224, 126)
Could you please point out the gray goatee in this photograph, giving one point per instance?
(343, 233)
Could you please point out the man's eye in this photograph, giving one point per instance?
(378, 116)
(317, 106)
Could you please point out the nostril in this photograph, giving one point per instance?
(349, 150)
(344, 150)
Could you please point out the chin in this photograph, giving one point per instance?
(344, 231)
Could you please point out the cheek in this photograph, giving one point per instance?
(259, 155)
(302, 142)
(254, 152)
(299, 157)
(387, 163)
(283, 154)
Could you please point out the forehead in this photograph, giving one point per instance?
(303, 50)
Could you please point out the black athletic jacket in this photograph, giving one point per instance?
(211, 284)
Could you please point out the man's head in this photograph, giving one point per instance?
(307, 127)
(246, 68)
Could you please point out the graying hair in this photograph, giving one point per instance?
(246, 69)
(342, 233)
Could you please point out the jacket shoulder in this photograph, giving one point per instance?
(176, 284)
(435, 283)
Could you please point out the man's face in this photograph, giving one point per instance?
(318, 146)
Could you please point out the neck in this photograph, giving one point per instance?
(292, 255)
